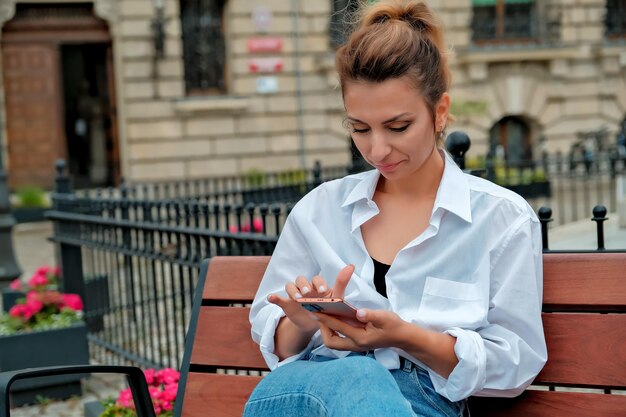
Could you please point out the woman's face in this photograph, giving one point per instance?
(391, 125)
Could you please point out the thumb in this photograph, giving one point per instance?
(376, 317)
(342, 280)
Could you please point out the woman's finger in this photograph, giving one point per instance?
(293, 291)
(333, 340)
(320, 285)
(303, 285)
(343, 278)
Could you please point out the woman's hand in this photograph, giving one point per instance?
(317, 287)
(381, 329)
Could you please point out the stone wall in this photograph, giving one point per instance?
(559, 89)
(170, 135)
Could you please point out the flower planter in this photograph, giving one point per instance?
(67, 346)
(10, 297)
(532, 190)
(93, 409)
(29, 214)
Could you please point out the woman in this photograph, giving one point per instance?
(445, 268)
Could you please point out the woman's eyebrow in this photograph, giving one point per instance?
(393, 119)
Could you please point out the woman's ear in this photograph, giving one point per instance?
(442, 109)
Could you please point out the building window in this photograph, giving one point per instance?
(503, 20)
(340, 18)
(204, 49)
(615, 19)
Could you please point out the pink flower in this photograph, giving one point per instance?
(38, 280)
(18, 311)
(257, 225)
(167, 405)
(125, 398)
(150, 375)
(55, 271)
(34, 305)
(168, 376)
(23, 311)
(43, 270)
(233, 229)
(169, 392)
(16, 285)
(72, 301)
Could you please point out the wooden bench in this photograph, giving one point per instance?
(584, 318)
(585, 325)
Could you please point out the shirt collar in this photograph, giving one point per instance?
(453, 194)
(364, 189)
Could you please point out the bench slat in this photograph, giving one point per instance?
(585, 349)
(234, 277)
(217, 395)
(584, 280)
(550, 404)
(229, 325)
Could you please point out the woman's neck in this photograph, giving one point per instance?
(423, 182)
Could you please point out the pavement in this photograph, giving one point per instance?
(32, 250)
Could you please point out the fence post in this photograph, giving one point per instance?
(457, 144)
(545, 217)
(599, 216)
(70, 256)
(317, 173)
(127, 244)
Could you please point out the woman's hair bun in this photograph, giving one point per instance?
(414, 13)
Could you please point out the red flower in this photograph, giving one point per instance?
(38, 280)
(72, 301)
(16, 285)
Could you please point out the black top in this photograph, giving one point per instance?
(380, 270)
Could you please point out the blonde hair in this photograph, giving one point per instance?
(396, 38)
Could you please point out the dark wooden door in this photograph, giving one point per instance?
(33, 112)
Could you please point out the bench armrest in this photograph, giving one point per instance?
(134, 375)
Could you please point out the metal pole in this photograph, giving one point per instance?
(9, 269)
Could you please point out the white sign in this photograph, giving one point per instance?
(265, 64)
(262, 17)
(266, 85)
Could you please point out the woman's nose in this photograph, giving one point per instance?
(380, 148)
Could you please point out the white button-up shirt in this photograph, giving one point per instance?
(475, 273)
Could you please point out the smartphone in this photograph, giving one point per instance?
(333, 306)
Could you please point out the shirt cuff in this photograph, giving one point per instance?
(266, 343)
(469, 375)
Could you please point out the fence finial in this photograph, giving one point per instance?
(457, 144)
(545, 217)
(599, 216)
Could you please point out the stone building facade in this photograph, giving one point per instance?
(269, 99)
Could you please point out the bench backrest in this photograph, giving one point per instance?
(584, 321)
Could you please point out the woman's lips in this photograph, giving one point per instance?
(387, 167)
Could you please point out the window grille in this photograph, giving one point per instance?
(204, 48)
(504, 20)
(615, 19)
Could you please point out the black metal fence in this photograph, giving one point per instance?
(134, 253)
(135, 262)
(571, 184)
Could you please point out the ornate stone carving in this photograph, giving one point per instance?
(106, 10)
(7, 10)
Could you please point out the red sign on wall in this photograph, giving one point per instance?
(256, 45)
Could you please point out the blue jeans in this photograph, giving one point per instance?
(357, 385)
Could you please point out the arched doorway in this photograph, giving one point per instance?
(510, 139)
(59, 95)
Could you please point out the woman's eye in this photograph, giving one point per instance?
(399, 129)
(355, 130)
